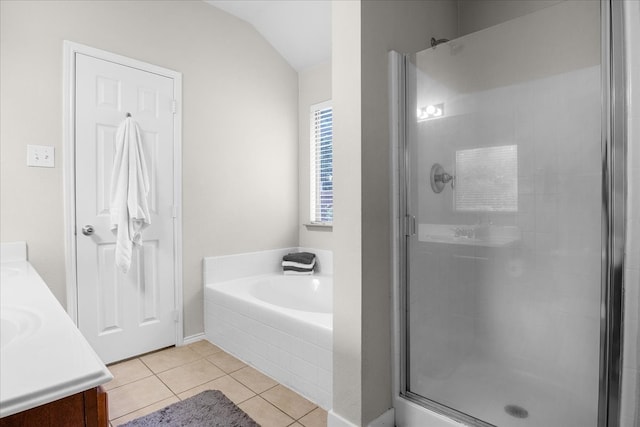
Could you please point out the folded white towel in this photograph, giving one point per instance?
(297, 273)
(298, 264)
(129, 210)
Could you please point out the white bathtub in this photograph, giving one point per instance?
(281, 325)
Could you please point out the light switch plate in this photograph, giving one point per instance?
(40, 156)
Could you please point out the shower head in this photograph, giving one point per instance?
(435, 42)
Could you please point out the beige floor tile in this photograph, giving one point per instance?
(136, 395)
(296, 424)
(231, 388)
(164, 360)
(127, 372)
(190, 375)
(144, 411)
(265, 413)
(316, 418)
(204, 348)
(255, 380)
(226, 362)
(288, 401)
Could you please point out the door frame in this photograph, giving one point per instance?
(613, 231)
(70, 49)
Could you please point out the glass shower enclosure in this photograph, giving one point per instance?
(502, 199)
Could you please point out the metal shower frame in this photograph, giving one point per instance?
(614, 194)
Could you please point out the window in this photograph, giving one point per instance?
(321, 125)
(487, 179)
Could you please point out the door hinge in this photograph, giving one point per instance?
(409, 225)
(174, 106)
(176, 316)
(174, 211)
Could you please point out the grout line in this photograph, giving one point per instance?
(290, 416)
(226, 374)
(167, 386)
(316, 407)
(147, 366)
(294, 420)
(270, 388)
(139, 409)
(153, 403)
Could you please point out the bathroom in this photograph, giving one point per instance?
(232, 75)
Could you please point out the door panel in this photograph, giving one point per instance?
(123, 315)
(503, 289)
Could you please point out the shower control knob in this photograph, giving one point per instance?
(88, 230)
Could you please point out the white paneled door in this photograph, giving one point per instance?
(123, 315)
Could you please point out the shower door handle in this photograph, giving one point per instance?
(409, 225)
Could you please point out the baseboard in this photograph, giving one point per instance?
(192, 338)
(387, 419)
(335, 420)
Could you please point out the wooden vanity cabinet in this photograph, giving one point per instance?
(88, 408)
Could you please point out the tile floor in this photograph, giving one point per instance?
(155, 380)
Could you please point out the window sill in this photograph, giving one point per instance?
(319, 226)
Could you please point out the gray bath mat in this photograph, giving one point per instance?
(210, 408)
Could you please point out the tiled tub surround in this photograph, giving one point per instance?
(291, 345)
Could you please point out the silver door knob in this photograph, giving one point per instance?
(88, 230)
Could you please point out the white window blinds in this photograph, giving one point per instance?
(321, 164)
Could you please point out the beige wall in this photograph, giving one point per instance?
(404, 26)
(314, 86)
(476, 15)
(347, 223)
(239, 126)
(363, 33)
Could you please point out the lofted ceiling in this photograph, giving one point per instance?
(300, 30)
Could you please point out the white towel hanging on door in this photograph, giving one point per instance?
(128, 207)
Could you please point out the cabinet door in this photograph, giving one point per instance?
(88, 408)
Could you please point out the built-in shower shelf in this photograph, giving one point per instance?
(469, 235)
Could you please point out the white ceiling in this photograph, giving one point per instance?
(299, 29)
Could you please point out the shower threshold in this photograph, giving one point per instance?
(503, 397)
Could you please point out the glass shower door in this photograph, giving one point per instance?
(503, 176)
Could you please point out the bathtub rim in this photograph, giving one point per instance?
(230, 289)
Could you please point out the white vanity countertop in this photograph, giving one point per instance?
(43, 355)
